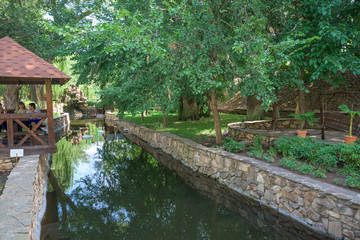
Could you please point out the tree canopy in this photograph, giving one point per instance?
(147, 54)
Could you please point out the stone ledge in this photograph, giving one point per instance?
(323, 207)
(17, 201)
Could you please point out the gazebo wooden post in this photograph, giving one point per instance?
(50, 117)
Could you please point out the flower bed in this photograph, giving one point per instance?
(309, 156)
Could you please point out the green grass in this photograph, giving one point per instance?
(195, 130)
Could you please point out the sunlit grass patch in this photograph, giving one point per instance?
(187, 129)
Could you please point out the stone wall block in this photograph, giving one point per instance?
(268, 196)
(259, 178)
(292, 197)
(349, 234)
(227, 163)
(218, 162)
(244, 167)
(351, 222)
(276, 189)
(357, 216)
(312, 215)
(344, 210)
(335, 229)
(206, 161)
(244, 184)
(327, 203)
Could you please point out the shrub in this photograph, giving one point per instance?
(257, 144)
(306, 168)
(353, 180)
(320, 173)
(327, 156)
(289, 162)
(261, 156)
(349, 154)
(300, 148)
(232, 145)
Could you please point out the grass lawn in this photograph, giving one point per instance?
(198, 131)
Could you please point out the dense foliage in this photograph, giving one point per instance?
(148, 54)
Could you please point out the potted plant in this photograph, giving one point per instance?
(308, 117)
(350, 138)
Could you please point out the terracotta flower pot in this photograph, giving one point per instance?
(301, 133)
(349, 139)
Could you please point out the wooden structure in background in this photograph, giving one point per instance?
(20, 66)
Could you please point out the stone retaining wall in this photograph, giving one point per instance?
(325, 208)
(22, 202)
(247, 131)
(61, 126)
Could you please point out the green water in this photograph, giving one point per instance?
(116, 190)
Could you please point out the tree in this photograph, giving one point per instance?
(296, 44)
(161, 53)
(22, 21)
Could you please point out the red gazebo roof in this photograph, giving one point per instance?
(20, 66)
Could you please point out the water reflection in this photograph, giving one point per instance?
(71, 151)
(131, 196)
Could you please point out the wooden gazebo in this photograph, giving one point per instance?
(20, 66)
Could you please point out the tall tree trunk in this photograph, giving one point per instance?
(188, 109)
(300, 102)
(214, 109)
(37, 95)
(302, 107)
(165, 119)
(254, 110)
(300, 99)
(11, 96)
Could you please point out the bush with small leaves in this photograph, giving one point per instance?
(232, 145)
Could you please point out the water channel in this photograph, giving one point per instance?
(114, 189)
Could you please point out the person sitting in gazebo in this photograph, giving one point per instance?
(21, 109)
(33, 109)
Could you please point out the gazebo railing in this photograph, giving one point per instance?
(17, 139)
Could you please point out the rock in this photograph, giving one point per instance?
(325, 222)
(277, 189)
(268, 195)
(6, 166)
(335, 228)
(309, 196)
(223, 175)
(349, 234)
(261, 187)
(298, 214)
(312, 215)
(344, 210)
(351, 222)
(294, 205)
(334, 214)
(292, 196)
(286, 123)
(357, 216)
(300, 201)
(288, 207)
(259, 178)
(325, 202)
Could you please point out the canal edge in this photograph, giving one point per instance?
(325, 208)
